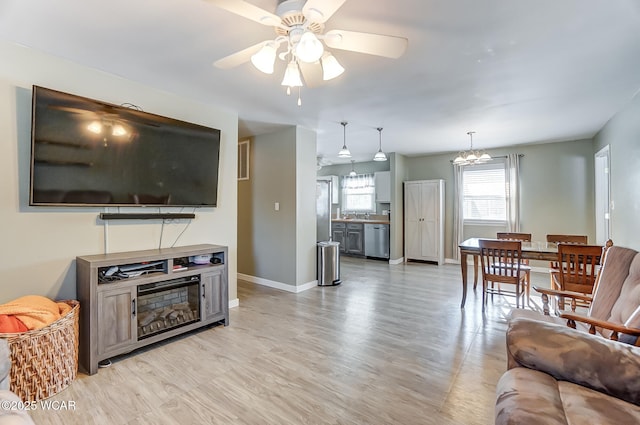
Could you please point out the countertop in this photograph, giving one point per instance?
(360, 220)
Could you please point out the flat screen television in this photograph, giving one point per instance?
(85, 152)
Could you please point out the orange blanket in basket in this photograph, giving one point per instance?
(35, 311)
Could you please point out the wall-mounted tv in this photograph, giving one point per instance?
(85, 152)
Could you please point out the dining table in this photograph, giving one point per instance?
(546, 251)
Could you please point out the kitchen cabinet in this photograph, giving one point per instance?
(383, 186)
(355, 239)
(424, 220)
(339, 234)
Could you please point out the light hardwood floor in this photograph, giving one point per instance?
(388, 346)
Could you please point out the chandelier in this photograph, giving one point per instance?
(471, 157)
(301, 44)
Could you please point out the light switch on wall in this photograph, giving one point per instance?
(276, 206)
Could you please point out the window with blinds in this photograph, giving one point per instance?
(358, 193)
(485, 193)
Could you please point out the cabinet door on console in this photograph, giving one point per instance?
(116, 320)
(214, 294)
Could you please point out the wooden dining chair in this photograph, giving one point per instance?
(523, 237)
(577, 271)
(557, 239)
(501, 262)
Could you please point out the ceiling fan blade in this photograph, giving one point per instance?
(312, 73)
(249, 11)
(321, 10)
(238, 58)
(372, 44)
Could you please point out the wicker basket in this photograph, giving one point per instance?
(45, 361)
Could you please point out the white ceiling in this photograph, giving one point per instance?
(515, 71)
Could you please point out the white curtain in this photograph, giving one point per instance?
(458, 219)
(513, 192)
(359, 181)
(358, 193)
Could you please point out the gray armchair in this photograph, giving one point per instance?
(559, 375)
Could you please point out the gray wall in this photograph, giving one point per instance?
(557, 189)
(279, 246)
(305, 206)
(398, 176)
(622, 134)
(41, 243)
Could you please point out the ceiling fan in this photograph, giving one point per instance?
(299, 27)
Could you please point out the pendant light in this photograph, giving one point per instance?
(353, 171)
(344, 152)
(471, 157)
(380, 156)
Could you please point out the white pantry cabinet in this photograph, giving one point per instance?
(424, 220)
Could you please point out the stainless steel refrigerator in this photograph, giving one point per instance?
(323, 210)
(328, 271)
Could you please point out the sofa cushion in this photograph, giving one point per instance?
(527, 396)
(585, 406)
(566, 354)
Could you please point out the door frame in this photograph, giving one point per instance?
(602, 183)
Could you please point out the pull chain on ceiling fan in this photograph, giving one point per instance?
(299, 26)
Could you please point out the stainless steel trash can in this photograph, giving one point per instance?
(328, 263)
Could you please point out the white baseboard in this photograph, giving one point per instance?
(451, 261)
(277, 285)
(234, 303)
(397, 261)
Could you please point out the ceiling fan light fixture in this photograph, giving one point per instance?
(265, 58)
(292, 76)
(331, 68)
(309, 49)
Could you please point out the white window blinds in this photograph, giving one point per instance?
(485, 192)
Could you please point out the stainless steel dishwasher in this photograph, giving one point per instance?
(376, 240)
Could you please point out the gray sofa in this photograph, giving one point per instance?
(558, 375)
